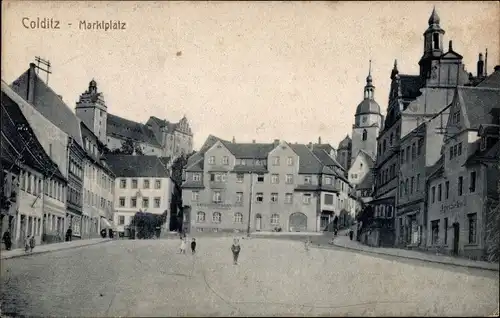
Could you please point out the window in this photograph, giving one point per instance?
(123, 183)
(133, 202)
(211, 160)
(391, 140)
(407, 188)
(157, 202)
(225, 160)
(145, 184)
(238, 217)
(200, 217)
(363, 119)
(402, 189)
(447, 190)
(413, 151)
(288, 198)
(457, 117)
(122, 202)
(459, 146)
(275, 179)
(433, 193)
(275, 219)
(328, 180)
(329, 199)
(157, 184)
(216, 217)
(260, 178)
(276, 161)
(451, 153)
(472, 227)
(195, 195)
(412, 184)
(240, 177)
(460, 185)
(307, 179)
(259, 197)
(418, 182)
(472, 182)
(274, 197)
(239, 197)
(196, 177)
(420, 146)
(134, 183)
(145, 203)
(365, 134)
(435, 41)
(306, 199)
(243, 162)
(439, 192)
(289, 161)
(407, 159)
(402, 156)
(121, 220)
(289, 178)
(435, 232)
(216, 197)
(445, 231)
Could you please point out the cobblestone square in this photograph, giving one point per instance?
(273, 278)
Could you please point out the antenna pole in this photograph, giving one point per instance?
(45, 63)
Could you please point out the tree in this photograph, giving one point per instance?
(128, 147)
(147, 224)
(493, 228)
(176, 215)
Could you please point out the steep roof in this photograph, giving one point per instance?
(87, 133)
(345, 143)
(370, 160)
(164, 123)
(325, 158)
(492, 81)
(410, 85)
(129, 166)
(124, 129)
(15, 143)
(49, 104)
(476, 104)
(490, 154)
(249, 150)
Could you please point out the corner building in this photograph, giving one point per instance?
(275, 185)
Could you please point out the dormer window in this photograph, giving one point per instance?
(483, 143)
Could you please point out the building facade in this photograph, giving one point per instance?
(98, 186)
(31, 180)
(344, 153)
(261, 187)
(74, 203)
(142, 184)
(460, 189)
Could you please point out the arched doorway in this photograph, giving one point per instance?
(258, 222)
(343, 219)
(298, 222)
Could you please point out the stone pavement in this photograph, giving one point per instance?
(19, 252)
(274, 277)
(345, 242)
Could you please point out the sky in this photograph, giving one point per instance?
(253, 70)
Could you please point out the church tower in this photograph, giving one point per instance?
(367, 122)
(92, 110)
(433, 45)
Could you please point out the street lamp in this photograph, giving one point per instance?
(250, 204)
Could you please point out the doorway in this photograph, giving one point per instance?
(456, 237)
(325, 219)
(258, 222)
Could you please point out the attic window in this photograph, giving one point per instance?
(219, 146)
(283, 147)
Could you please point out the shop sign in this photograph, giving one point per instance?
(452, 206)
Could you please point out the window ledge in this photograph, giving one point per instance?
(470, 245)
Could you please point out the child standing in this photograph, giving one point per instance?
(193, 246)
(182, 248)
(235, 248)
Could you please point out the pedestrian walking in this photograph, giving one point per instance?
(27, 244)
(236, 248)
(182, 248)
(32, 243)
(7, 240)
(69, 234)
(351, 234)
(193, 246)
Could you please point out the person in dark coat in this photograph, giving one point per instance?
(7, 240)
(69, 234)
(193, 246)
(236, 248)
(351, 234)
(32, 243)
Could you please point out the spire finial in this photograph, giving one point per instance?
(370, 68)
(434, 18)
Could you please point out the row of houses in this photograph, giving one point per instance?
(436, 166)
(280, 186)
(59, 172)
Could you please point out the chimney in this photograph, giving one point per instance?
(253, 141)
(486, 63)
(480, 65)
(276, 142)
(319, 140)
(310, 146)
(234, 140)
(31, 84)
